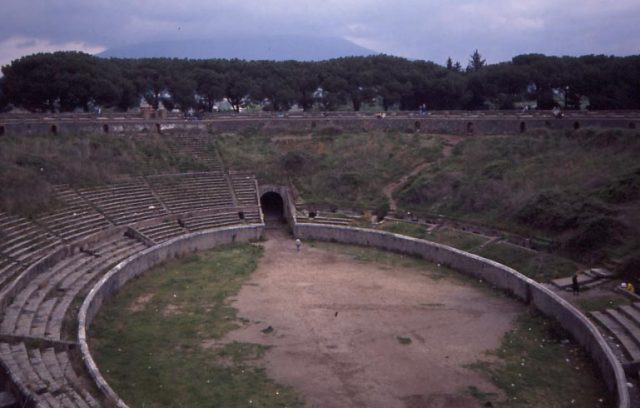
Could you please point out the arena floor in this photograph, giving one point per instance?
(348, 333)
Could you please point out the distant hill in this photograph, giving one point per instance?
(278, 48)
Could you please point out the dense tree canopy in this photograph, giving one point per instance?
(67, 81)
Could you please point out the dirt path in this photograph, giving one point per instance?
(449, 142)
(391, 188)
(337, 325)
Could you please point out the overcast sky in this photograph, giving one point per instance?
(418, 29)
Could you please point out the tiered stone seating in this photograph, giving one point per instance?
(252, 215)
(39, 309)
(321, 219)
(191, 191)
(39, 312)
(125, 202)
(163, 231)
(46, 376)
(622, 328)
(9, 269)
(75, 218)
(23, 240)
(205, 221)
(39, 320)
(244, 186)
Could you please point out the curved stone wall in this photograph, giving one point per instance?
(498, 275)
(494, 273)
(128, 269)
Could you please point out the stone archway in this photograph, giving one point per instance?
(272, 208)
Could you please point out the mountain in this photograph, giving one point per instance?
(278, 48)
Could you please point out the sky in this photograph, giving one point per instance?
(417, 29)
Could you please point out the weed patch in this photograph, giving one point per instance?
(537, 366)
(590, 304)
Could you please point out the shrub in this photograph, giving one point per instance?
(381, 211)
(595, 235)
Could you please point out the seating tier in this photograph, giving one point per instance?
(74, 218)
(192, 191)
(125, 202)
(23, 240)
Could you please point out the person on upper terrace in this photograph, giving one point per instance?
(557, 113)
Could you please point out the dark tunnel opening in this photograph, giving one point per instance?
(272, 208)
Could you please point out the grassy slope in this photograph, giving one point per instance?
(30, 165)
(537, 265)
(342, 169)
(581, 188)
(152, 340)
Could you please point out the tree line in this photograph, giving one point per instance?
(67, 81)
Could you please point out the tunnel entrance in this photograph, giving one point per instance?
(272, 208)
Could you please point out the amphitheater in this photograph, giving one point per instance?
(58, 268)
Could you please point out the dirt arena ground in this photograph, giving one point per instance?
(339, 326)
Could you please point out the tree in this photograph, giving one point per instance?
(305, 83)
(4, 101)
(151, 79)
(237, 84)
(183, 93)
(210, 86)
(476, 62)
(71, 80)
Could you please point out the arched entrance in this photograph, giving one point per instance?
(272, 208)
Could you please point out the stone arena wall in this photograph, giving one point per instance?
(468, 124)
(128, 269)
(497, 275)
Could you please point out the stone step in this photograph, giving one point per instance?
(602, 273)
(9, 270)
(73, 284)
(35, 360)
(72, 378)
(629, 325)
(631, 313)
(7, 400)
(42, 284)
(26, 371)
(565, 283)
(209, 225)
(630, 348)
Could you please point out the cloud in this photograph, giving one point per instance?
(426, 29)
(15, 47)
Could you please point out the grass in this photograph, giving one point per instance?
(157, 344)
(345, 170)
(537, 265)
(391, 260)
(540, 266)
(574, 187)
(537, 366)
(31, 165)
(457, 239)
(598, 303)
